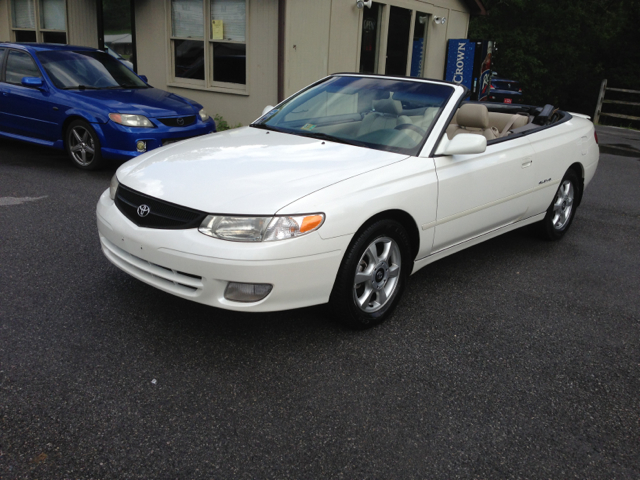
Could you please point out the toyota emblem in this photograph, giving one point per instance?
(180, 121)
(143, 210)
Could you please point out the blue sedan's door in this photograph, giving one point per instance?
(26, 111)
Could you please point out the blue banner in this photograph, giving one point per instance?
(460, 56)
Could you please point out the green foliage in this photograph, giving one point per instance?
(561, 51)
(222, 125)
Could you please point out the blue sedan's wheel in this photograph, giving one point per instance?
(83, 145)
(372, 275)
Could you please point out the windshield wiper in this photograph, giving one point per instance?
(81, 87)
(262, 126)
(330, 138)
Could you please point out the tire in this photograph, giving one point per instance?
(83, 145)
(563, 208)
(372, 275)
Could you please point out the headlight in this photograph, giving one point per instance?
(204, 116)
(131, 120)
(113, 187)
(260, 229)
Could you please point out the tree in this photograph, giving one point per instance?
(562, 50)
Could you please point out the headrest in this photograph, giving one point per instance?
(473, 115)
(390, 107)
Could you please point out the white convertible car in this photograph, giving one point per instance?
(340, 192)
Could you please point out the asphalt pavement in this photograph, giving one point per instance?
(516, 358)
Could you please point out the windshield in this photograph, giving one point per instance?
(87, 70)
(384, 114)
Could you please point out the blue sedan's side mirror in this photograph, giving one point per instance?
(144, 78)
(33, 82)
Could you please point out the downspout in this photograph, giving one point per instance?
(282, 9)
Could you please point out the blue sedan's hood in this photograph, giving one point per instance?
(150, 102)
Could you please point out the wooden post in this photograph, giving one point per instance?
(603, 88)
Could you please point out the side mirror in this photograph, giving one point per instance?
(462, 144)
(32, 82)
(267, 109)
(144, 78)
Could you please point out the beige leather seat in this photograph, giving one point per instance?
(385, 115)
(474, 118)
(505, 122)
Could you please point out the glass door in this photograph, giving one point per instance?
(370, 40)
(398, 41)
(116, 30)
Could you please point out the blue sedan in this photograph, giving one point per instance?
(87, 102)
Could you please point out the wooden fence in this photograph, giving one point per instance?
(599, 113)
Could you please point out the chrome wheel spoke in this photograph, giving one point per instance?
(386, 249)
(382, 296)
(76, 147)
(365, 298)
(362, 277)
(77, 135)
(89, 149)
(394, 271)
(373, 254)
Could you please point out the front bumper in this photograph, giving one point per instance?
(196, 267)
(119, 142)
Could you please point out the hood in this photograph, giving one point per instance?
(150, 102)
(247, 171)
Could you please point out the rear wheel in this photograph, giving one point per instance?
(562, 210)
(83, 145)
(372, 276)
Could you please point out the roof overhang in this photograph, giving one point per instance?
(476, 7)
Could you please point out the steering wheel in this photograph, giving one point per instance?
(411, 126)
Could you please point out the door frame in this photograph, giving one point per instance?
(100, 17)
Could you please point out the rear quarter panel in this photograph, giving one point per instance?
(555, 150)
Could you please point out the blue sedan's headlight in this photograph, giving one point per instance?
(204, 116)
(131, 120)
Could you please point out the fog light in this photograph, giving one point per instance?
(141, 146)
(247, 292)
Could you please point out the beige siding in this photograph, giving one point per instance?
(82, 23)
(306, 42)
(5, 26)
(458, 25)
(343, 37)
(323, 37)
(154, 60)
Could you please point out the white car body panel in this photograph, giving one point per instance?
(448, 203)
(247, 171)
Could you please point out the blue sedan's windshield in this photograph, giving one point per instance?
(381, 113)
(87, 70)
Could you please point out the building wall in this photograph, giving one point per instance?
(154, 60)
(82, 23)
(5, 27)
(308, 55)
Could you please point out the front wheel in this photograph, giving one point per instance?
(83, 145)
(372, 275)
(562, 210)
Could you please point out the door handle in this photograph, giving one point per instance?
(527, 163)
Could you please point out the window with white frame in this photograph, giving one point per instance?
(209, 42)
(39, 21)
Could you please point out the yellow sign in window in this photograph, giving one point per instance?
(217, 32)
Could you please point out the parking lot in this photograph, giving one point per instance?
(516, 358)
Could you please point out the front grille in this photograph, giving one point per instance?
(179, 121)
(160, 214)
